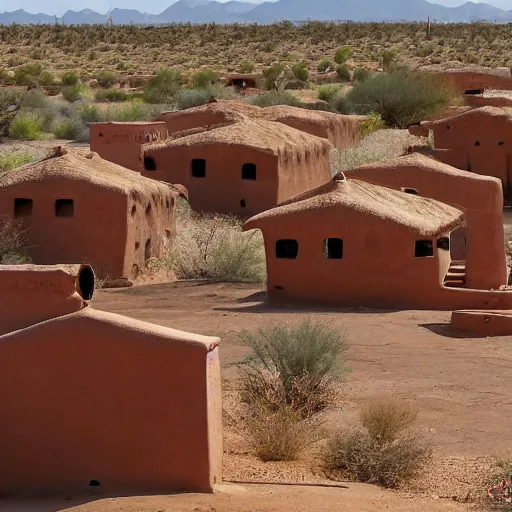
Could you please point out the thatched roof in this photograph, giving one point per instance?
(421, 215)
(265, 136)
(86, 166)
(503, 114)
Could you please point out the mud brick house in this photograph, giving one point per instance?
(478, 141)
(241, 168)
(477, 79)
(95, 399)
(477, 250)
(350, 243)
(121, 142)
(340, 130)
(78, 207)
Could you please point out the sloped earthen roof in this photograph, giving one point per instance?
(86, 166)
(499, 113)
(425, 216)
(266, 136)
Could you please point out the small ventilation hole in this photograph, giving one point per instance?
(477, 143)
(94, 483)
(501, 143)
(242, 203)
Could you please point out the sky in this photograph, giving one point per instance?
(58, 7)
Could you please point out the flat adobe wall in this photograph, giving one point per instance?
(483, 323)
(467, 81)
(478, 100)
(95, 234)
(109, 401)
(120, 143)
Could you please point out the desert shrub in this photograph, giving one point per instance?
(387, 59)
(361, 75)
(9, 97)
(111, 96)
(300, 71)
(34, 99)
(402, 97)
(13, 242)
(204, 78)
(27, 75)
(216, 248)
(107, 78)
(6, 78)
(26, 126)
(271, 74)
(13, 160)
(274, 98)
(386, 450)
(341, 104)
(343, 73)
(323, 65)
(246, 67)
(278, 435)
(162, 87)
(46, 78)
(373, 123)
(342, 55)
(69, 78)
(305, 357)
(72, 128)
(188, 98)
(74, 93)
(89, 114)
(327, 92)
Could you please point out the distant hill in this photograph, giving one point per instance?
(211, 11)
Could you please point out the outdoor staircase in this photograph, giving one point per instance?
(456, 276)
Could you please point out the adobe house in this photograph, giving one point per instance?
(243, 168)
(340, 130)
(479, 141)
(355, 244)
(95, 399)
(477, 79)
(120, 143)
(478, 250)
(79, 207)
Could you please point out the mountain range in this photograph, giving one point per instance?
(235, 11)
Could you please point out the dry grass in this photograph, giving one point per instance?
(385, 450)
(13, 242)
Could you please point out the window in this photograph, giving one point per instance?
(408, 190)
(242, 203)
(23, 207)
(424, 249)
(287, 249)
(249, 171)
(199, 168)
(149, 164)
(64, 208)
(333, 248)
(444, 244)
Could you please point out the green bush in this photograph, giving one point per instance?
(27, 75)
(274, 98)
(188, 98)
(107, 79)
(341, 104)
(361, 75)
(74, 93)
(6, 78)
(13, 160)
(343, 73)
(204, 78)
(306, 358)
(386, 450)
(111, 96)
(246, 67)
(300, 71)
(271, 74)
(342, 55)
(387, 59)
(34, 99)
(26, 126)
(401, 97)
(323, 65)
(162, 87)
(373, 123)
(69, 78)
(46, 78)
(327, 92)
(70, 129)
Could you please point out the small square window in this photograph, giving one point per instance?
(149, 164)
(287, 249)
(23, 207)
(199, 168)
(333, 248)
(249, 171)
(64, 208)
(424, 249)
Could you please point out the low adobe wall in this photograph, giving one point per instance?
(464, 80)
(483, 323)
(479, 100)
(30, 294)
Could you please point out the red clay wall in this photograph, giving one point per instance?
(30, 294)
(482, 201)
(465, 81)
(483, 323)
(478, 100)
(120, 142)
(133, 406)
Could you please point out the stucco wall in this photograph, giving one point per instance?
(94, 396)
(463, 81)
(120, 142)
